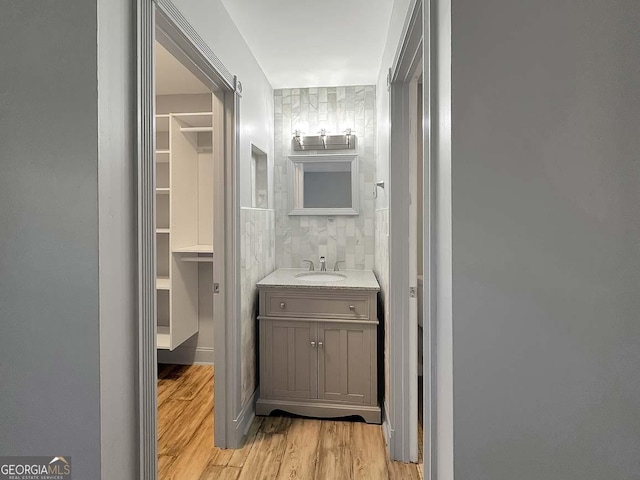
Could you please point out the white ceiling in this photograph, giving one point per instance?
(172, 77)
(311, 43)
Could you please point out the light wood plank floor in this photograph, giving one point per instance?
(276, 447)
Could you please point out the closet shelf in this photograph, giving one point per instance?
(163, 283)
(163, 190)
(194, 249)
(196, 129)
(163, 230)
(198, 119)
(162, 156)
(197, 259)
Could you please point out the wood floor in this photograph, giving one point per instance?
(276, 447)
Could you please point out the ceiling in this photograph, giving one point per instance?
(311, 43)
(172, 77)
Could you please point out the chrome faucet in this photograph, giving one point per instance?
(311, 267)
(323, 265)
(335, 265)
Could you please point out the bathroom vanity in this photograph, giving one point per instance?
(318, 343)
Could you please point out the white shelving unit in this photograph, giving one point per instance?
(184, 220)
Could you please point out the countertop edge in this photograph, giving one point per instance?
(285, 278)
(316, 287)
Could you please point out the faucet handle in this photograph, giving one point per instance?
(311, 267)
(335, 265)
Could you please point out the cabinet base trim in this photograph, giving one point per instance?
(323, 410)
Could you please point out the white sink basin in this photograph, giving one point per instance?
(321, 277)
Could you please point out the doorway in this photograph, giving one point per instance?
(189, 137)
(188, 259)
(409, 224)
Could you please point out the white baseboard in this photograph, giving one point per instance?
(244, 419)
(187, 355)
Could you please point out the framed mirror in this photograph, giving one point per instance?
(323, 185)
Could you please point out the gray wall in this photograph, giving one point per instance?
(546, 239)
(49, 305)
(67, 229)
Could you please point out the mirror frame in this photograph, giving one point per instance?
(296, 181)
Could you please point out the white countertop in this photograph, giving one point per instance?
(354, 280)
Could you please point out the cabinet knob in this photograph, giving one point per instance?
(352, 308)
(313, 344)
(282, 305)
(320, 344)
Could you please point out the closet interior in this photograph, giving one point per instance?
(186, 148)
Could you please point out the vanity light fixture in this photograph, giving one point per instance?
(347, 133)
(323, 137)
(324, 140)
(297, 137)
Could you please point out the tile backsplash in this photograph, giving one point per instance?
(348, 238)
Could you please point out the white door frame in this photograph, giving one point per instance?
(185, 43)
(437, 260)
(403, 361)
(426, 40)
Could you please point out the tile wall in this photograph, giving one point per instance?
(351, 239)
(256, 262)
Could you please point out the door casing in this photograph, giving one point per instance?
(408, 67)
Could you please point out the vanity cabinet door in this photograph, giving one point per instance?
(346, 362)
(289, 359)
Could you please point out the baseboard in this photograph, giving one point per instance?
(187, 355)
(387, 428)
(244, 419)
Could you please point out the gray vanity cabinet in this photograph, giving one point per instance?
(318, 353)
(346, 362)
(289, 362)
